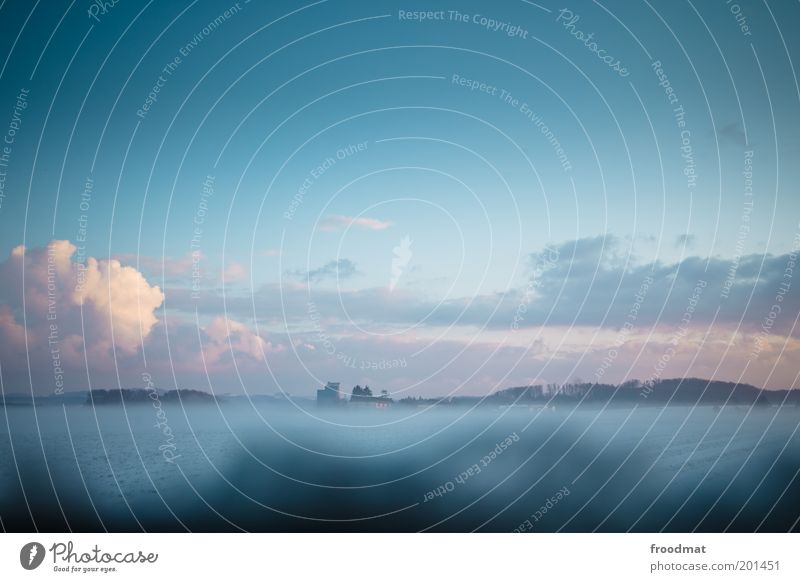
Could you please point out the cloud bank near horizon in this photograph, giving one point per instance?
(582, 301)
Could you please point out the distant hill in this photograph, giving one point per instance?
(671, 391)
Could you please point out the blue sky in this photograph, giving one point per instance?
(261, 99)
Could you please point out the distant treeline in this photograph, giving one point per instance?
(674, 391)
(137, 395)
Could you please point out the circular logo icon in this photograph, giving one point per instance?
(31, 555)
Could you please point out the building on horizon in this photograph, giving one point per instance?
(330, 395)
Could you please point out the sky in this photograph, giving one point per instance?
(432, 199)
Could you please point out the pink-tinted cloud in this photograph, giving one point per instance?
(338, 222)
(112, 303)
(229, 337)
(121, 295)
(234, 272)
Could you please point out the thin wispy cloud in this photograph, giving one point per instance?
(338, 269)
(340, 222)
(234, 272)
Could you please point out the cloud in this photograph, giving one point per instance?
(234, 272)
(226, 336)
(590, 282)
(12, 334)
(578, 297)
(177, 272)
(339, 222)
(112, 303)
(339, 269)
(120, 296)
